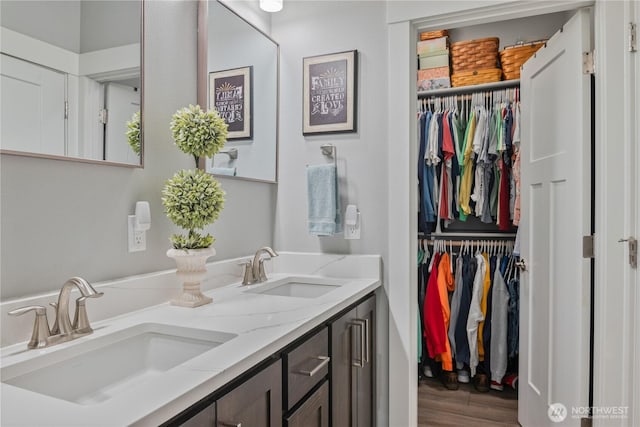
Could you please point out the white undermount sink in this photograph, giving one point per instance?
(98, 369)
(298, 287)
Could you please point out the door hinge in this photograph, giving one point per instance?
(104, 116)
(633, 42)
(66, 109)
(587, 247)
(588, 62)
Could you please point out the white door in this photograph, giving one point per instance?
(33, 107)
(121, 103)
(556, 214)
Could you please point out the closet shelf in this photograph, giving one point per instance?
(469, 89)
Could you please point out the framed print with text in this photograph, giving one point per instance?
(329, 93)
(230, 95)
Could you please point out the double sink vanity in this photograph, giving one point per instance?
(270, 353)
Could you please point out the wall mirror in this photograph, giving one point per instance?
(71, 79)
(238, 75)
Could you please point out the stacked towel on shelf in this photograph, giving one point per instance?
(322, 192)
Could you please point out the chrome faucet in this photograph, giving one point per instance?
(63, 330)
(254, 270)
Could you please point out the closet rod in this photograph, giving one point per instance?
(469, 89)
(464, 235)
(458, 243)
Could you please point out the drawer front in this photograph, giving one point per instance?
(306, 366)
(314, 412)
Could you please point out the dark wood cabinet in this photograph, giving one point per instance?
(314, 412)
(257, 402)
(325, 378)
(353, 366)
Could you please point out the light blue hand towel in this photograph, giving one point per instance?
(322, 192)
(223, 171)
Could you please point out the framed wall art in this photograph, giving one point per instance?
(330, 93)
(230, 95)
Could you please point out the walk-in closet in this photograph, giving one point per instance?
(503, 172)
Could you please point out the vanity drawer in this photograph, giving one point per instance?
(306, 366)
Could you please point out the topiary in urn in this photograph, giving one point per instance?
(194, 199)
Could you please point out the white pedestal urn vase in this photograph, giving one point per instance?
(191, 270)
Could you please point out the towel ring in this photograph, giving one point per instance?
(330, 150)
(231, 152)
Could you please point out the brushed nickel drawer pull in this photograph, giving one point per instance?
(229, 424)
(361, 324)
(324, 361)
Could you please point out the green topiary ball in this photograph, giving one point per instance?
(193, 199)
(197, 132)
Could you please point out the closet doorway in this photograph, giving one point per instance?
(555, 306)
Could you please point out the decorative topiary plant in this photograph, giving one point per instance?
(193, 198)
(133, 132)
(197, 132)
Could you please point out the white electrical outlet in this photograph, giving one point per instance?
(137, 239)
(352, 223)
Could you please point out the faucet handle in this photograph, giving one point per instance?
(55, 329)
(247, 275)
(80, 319)
(40, 327)
(262, 274)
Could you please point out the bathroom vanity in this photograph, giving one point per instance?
(288, 344)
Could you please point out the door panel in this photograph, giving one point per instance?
(33, 98)
(121, 103)
(556, 213)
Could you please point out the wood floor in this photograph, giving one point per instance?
(438, 406)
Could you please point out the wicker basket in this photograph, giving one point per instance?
(476, 77)
(513, 57)
(476, 54)
(428, 35)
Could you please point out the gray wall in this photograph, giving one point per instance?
(60, 219)
(56, 22)
(312, 28)
(309, 28)
(110, 23)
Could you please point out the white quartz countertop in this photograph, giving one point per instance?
(264, 324)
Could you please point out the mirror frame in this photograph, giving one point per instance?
(104, 162)
(203, 80)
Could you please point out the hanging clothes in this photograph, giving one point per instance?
(475, 314)
(445, 285)
(433, 317)
(499, 325)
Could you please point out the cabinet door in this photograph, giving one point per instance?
(255, 403)
(365, 391)
(314, 412)
(343, 380)
(353, 366)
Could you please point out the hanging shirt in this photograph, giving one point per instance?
(469, 267)
(486, 285)
(499, 326)
(467, 169)
(455, 305)
(516, 165)
(434, 330)
(475, 313)
(445, 285)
